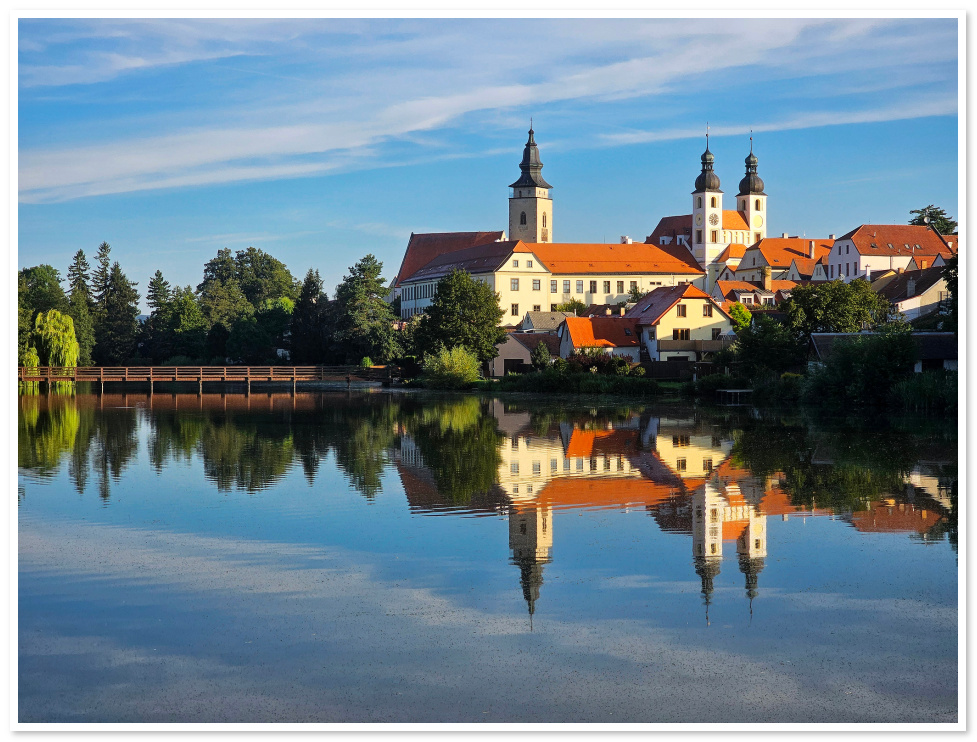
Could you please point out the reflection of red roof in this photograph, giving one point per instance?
(589, 443)
(423, 248)
(602, 332)
(569, 492)
(901, 518)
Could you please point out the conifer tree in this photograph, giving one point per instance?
(100, 279)
(309, 329)
(464, 312)
(363, 319)
(117, 327)
(79, 278)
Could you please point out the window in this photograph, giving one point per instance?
(515, 310)
(536, 307)
(552, 287)
(544, 220)
(847, 249)
(607, 287)
(698, 236)
(552, 307)
(536, 467)
(758, 206)
(515, 263)
(514, 284)
(529, 263)
(743, 205)
(633, 285)
(680, 310)
(552, 464)
(707, 465)
(522, 218)
(831, 271)
(698, 202)
(536, 284)
(620, 287)
(712, 202)
(680, 334)
(593, 287)
(679, 464)
(514, 467)
(714, 235)
(715, 333)
(680, 440)
(579, 287)
(566, 287)
(757, 237)
(627, 332)
(707, 310)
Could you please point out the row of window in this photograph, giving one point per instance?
(555, 286)
(684, 333)
(758, 204)
(419, 291)
(515, 263)
(681, 309)
(714, 236)
(522, 219)
(605, 464)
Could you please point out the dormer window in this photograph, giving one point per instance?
(627, 332)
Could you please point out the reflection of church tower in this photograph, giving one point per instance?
(751, 546)
(531, 542)
(707, 537)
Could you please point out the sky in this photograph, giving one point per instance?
(322, 140)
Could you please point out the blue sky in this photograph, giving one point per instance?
(321, 140)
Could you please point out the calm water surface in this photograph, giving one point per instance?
(354, 557)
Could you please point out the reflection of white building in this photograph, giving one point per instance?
(688, 449)
(531, 544)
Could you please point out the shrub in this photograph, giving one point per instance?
(366, 362)
(929, 391)
(457, 368)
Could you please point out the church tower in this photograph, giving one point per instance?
(531, 542)
(751, 201)
(530, 205)
(707, 212)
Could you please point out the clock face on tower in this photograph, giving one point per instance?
(698, 220)
(757, 220)
(714, 219)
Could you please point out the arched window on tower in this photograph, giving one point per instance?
(713, 202)
(522, 218)
(544, 220)
(758, 204)
(698, 202)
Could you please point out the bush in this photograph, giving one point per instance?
(457, 368)
(930, 391)
(366, 362)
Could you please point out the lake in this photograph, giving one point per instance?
(400, 557)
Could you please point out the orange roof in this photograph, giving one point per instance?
(586, 444)
(583, 258)
(897, 239)
(805, 266)
(604, 491)
(779, 252)
(727, 288)
(881, 518)
(423, 248)
(733, 251)
(602, 332)
(653, 305)
(734, 220)
(671, 226)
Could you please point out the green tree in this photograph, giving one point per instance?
(263, 277)
(540, 356)
(767, 344)
(740, 316)
(363, 321)
(464, 312)
(255, 339)
(186, 324)
(43, 290)
(309, 328)
(158, 293)
(101, 276)
(79, 278)
(574, 305)
(937, 218)
(457, 368)
(116, 330)
(55, 335)
(25, 325)
(949, 274)
(79, 309)
(835, 307)
(635, 294)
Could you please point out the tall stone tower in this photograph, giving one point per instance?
(530, 205)
(707, 213)
(751, 201)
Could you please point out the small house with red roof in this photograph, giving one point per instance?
(616, 336)
(680, 323)
(873, 247)
(780, 253)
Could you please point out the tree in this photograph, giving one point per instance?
(186, 324)
(309, 328)
(949, 274)
(835, 307)
(363, 319)
(635, 294)
(100, 279)
(79, 278)
(43, 290)
(24, 322)
(767, 344)
(262, 277)
(540, 356)
(80, 312)
(451, 369)
(256, 338)
(55, 335)
(937, 219)
(116, 329)
(158, 293)
(574, 305)
(740, 316)
(464, 312)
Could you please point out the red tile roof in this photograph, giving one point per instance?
(584, 258)
(726, 288)
(587, 444)
(602, 332)
(897, 289)
(485, 258)
(653, 305)
(902, 237)
(779, 252)
(605, 492)
(735, 220)
(733, 251)
(423, 248)
(671, 226)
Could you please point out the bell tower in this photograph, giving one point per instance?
(751, 201)
(707, 212)
(530, 205)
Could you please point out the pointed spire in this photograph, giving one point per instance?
(751, 183)
(707, 180)
(531, 165)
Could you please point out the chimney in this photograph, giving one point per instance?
(766, 273)
(910, 287)
(811, 251)
(785, 235)
(608, 311)
(622, 311)
(625, 240)
(831, 236)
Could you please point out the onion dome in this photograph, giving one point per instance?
(531, 166)
(707, 180)
(751, 184)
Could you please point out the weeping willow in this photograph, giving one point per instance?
(58, 346)
(31, 360)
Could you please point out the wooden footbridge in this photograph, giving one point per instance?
(199, 374)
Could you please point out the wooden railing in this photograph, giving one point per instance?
(200, 374)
